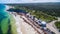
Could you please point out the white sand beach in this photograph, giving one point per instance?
(23, 27)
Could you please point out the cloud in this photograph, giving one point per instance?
(27, 1)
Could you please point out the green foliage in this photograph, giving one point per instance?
(41, 15)
(38, 13)
(48, 8)
(57, 24)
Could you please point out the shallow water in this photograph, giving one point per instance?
(5, 27)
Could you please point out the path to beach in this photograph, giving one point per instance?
(52, 27)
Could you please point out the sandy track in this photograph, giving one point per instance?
(34, 25)
(52, 28)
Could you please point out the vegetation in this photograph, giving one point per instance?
(44, 11)
(38, 14)
(41, 15)
(57, 24)
(48, 8)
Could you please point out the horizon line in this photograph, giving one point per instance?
(31, 2)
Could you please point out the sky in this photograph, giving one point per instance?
(27, 1)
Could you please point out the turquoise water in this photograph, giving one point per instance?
(4, 21)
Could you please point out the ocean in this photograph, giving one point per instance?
(4, 20)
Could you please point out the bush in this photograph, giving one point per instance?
(57, 24)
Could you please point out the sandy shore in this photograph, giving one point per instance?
(23, 27)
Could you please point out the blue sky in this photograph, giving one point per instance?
(27, 1)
